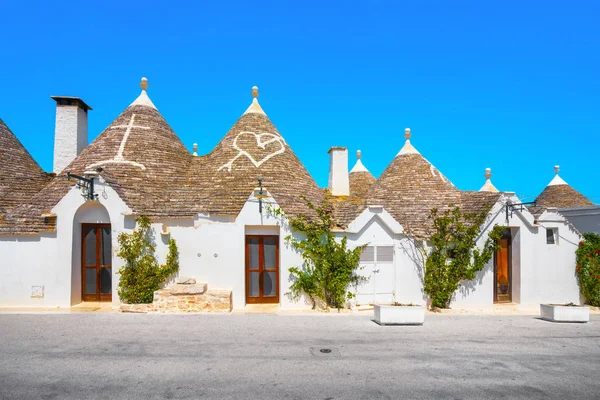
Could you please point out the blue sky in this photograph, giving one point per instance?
(509, 85)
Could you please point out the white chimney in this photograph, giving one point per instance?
(339, 183)
(71, 132)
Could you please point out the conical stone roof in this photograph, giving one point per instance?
(410, 187)
(253, 148)
(360, 179)
(138, 154)
(20, 176)
(560, 194)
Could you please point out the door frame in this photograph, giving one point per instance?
(260, 299)
(99, 296)
(507, 236)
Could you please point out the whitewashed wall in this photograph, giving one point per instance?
(377, 227)
(585, 219)
(212, 249)
(541, 272)
(53, 260)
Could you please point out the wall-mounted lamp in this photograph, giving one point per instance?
(85, 184)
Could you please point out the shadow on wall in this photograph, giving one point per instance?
(417, 254)
(468, 287)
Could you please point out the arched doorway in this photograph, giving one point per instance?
(92, 254)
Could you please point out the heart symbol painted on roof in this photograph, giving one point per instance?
(252, 144)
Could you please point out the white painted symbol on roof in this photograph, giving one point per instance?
(119, 159)
(262, 140)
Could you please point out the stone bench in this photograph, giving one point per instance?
(185, 296)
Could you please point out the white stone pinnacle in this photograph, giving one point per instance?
(358, 167)
(407, 148)
(143, 99)
(488, 186)
(557, 180)
(254, 107)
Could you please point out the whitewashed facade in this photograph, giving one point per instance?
(44, 270)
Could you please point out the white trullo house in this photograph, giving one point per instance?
(59, 237)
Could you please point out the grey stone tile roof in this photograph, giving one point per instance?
(155, 174)
(253, 148)
(408, 189)
(20, 176)
(360, 183)
(153, 162)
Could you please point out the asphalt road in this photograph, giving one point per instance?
(127, 356)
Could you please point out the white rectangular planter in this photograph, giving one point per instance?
(562, 313)
(399, 315)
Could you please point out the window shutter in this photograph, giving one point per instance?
(368, 254)
(385, 253)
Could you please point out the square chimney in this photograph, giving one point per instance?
(71, 132)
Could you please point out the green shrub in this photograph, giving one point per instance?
(454, 256)
(141, 275)
(330, 267)
(588, 268)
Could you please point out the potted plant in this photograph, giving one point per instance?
(565, 312)
(398, 313)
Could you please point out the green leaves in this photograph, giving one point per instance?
(588, 268)
(330, 268)
(141, 275)
(455, 256)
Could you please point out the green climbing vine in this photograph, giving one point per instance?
(455, 256)
(588, 268)
(330, 267)
(141, 275)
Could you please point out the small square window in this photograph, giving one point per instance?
(551, 234)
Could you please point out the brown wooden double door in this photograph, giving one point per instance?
(262, 269)
(503, 271)
(96, 264)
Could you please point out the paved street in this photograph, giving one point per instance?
(114, 356)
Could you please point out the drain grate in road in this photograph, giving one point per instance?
(319, 351)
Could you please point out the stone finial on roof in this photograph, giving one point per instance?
(408, 148)
(488, 186)
(557, 180)
(143, 99)
(195, 149)
(255, 107)
(358, 167)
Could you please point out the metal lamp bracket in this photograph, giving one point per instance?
(88, 185)
(510, 208)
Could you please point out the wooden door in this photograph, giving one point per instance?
(262, 269)
(503, 272)
(96, 262)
